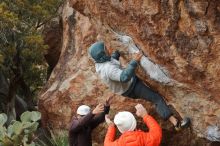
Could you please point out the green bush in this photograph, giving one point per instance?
(19, 133)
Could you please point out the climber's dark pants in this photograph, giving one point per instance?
(139, 90)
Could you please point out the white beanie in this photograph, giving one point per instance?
(83, 110)
(125, 121)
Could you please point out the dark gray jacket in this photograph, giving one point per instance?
(81, 130)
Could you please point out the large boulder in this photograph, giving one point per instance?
(183, 37)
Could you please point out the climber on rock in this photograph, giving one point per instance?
(86, 120)
(124, 81)
(126, 124)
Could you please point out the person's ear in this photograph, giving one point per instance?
(110, 50)
(106, 50)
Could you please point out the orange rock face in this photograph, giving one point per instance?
(181, 36)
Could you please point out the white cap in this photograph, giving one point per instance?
(125, 121)
(83, 110)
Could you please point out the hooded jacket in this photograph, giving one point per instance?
(118, 79)
(136, 138)
(110, 73)
(109, 69)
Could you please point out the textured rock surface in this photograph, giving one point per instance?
(181, 36)
(52, 37)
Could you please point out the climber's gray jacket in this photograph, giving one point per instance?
(117, 79)
(108, 67)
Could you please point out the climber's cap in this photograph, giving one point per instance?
(83, 110)
(97, 52)
(125, 121)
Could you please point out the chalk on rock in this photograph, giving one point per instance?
(213, 133)
(153, 70)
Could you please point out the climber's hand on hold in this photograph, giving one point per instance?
(137, 56)
(123, 53)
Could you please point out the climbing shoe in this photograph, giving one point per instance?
(182, 124)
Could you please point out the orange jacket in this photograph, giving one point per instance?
(136, 138)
